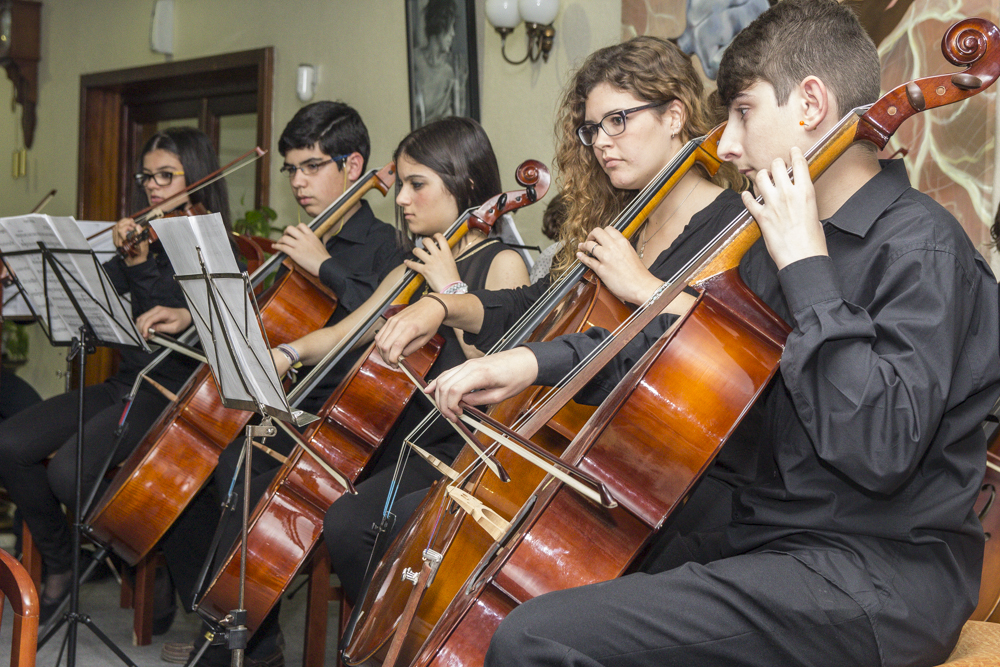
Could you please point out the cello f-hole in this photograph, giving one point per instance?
(477, 579)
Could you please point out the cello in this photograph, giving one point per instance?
(175, 458)
(648, 478)
(576, 302)
(355, 421)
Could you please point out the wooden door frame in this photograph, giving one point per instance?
(113, 103)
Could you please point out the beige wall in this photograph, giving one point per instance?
(360, 48)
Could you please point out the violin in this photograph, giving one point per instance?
(728, 334)
(288, 520)
(181, 450)
(575, 302)
(144, 231)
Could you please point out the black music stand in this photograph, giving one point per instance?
(227, 318)
(71, 300)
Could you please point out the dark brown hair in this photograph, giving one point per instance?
(458, 150)
(799, 38)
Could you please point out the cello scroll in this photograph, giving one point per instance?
(972, 43)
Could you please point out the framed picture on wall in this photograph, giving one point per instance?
(441, 50)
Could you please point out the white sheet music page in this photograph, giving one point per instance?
(103, 307)
(220, 305)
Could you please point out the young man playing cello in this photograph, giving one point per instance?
(325, 148)
(856, 544)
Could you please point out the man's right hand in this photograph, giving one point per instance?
(409, 330)
(484, 381)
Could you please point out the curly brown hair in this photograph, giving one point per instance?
(651, 69)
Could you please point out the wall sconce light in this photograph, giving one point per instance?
(305, 82)
(505, 15)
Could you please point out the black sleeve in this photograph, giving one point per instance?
(354, 288)
(501, 309)
(556, 358)
(149, 284)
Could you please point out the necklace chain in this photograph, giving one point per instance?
(644, 240)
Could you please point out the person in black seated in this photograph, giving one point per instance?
(627, 112)
(170, 160)
(856, 543)
(444, 168)
(326, 148)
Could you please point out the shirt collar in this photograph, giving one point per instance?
(860, 212)
(356, 227)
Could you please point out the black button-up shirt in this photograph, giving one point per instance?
(362, 254)
(870, 448)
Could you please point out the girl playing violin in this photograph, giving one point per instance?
(170, 160)
(627, 112)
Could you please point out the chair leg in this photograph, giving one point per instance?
(142, 598)
(31, 559)
(317, 608)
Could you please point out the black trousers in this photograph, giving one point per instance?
(760, 609)
(49, 427)
(690, 607)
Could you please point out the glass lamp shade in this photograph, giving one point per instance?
(502, 13)
(542, 12)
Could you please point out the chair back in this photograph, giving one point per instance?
(16, 586)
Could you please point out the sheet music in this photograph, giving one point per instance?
(14, 303)
(94, 293)
(224, 313)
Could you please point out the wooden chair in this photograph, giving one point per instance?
(979, 646)
(16, 586)
(320, 595)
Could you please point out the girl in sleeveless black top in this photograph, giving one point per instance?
(443, 168)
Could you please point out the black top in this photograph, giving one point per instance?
(871, 451)
(502, 308)
(149, 284)
(361, 255)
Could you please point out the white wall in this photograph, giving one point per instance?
(360, 48)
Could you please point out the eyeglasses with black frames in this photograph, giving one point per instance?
(312, 167)
(161, 178)
(613, 124)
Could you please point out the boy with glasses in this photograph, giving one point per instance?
(325, 146)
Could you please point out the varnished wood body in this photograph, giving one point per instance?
(288, 520)
(649, 442)
(989, 513)
(457, 536)
(179, 453)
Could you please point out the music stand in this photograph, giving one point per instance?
(227, 318)
(100, 318)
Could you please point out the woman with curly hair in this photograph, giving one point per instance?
(626, 113)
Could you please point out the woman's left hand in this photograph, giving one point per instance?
(436, 265)
(610, 255)
(161, 319)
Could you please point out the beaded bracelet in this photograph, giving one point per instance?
(457, 287)
(290, 352)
